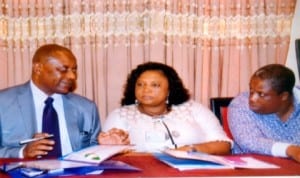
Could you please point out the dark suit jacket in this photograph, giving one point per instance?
(18, 122)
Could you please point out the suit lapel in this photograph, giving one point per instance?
(26, 105)
(71, 115)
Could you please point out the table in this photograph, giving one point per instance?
(152, 167)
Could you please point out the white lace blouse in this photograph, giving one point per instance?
(189, 123)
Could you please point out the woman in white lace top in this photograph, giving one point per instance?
(157, 113)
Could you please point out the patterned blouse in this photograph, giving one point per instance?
(262, 133)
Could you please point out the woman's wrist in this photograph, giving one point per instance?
(192, 148)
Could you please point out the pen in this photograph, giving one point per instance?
(34, 139)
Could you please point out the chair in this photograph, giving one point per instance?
(297, 46)
(218, 106)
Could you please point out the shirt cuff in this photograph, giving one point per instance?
(279, 149)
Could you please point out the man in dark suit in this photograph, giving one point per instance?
(54, 73)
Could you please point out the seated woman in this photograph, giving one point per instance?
(157, 113)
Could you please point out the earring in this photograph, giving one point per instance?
(167, 100)
(136, 102)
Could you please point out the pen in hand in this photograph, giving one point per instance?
(35, 139)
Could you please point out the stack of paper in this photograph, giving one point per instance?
(91, 160)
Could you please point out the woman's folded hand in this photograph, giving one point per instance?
(114, 137)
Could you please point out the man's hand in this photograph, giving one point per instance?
(38, 148)
(293, 152)
(114, 137)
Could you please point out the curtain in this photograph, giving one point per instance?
(214, 45)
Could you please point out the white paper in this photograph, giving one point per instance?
(54, 164)
(97, 153)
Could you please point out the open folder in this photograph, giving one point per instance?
(184, 160)
(96, 154)
(89, 160)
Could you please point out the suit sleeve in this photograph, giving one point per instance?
(96, 125)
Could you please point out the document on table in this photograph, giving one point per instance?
(183, 160)
(97, 153)
(86, 161)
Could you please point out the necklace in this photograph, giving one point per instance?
(153, 114)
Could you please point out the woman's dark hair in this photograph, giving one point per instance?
(281, 78)
(177, 94)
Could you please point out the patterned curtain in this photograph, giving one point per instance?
(214, 45)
